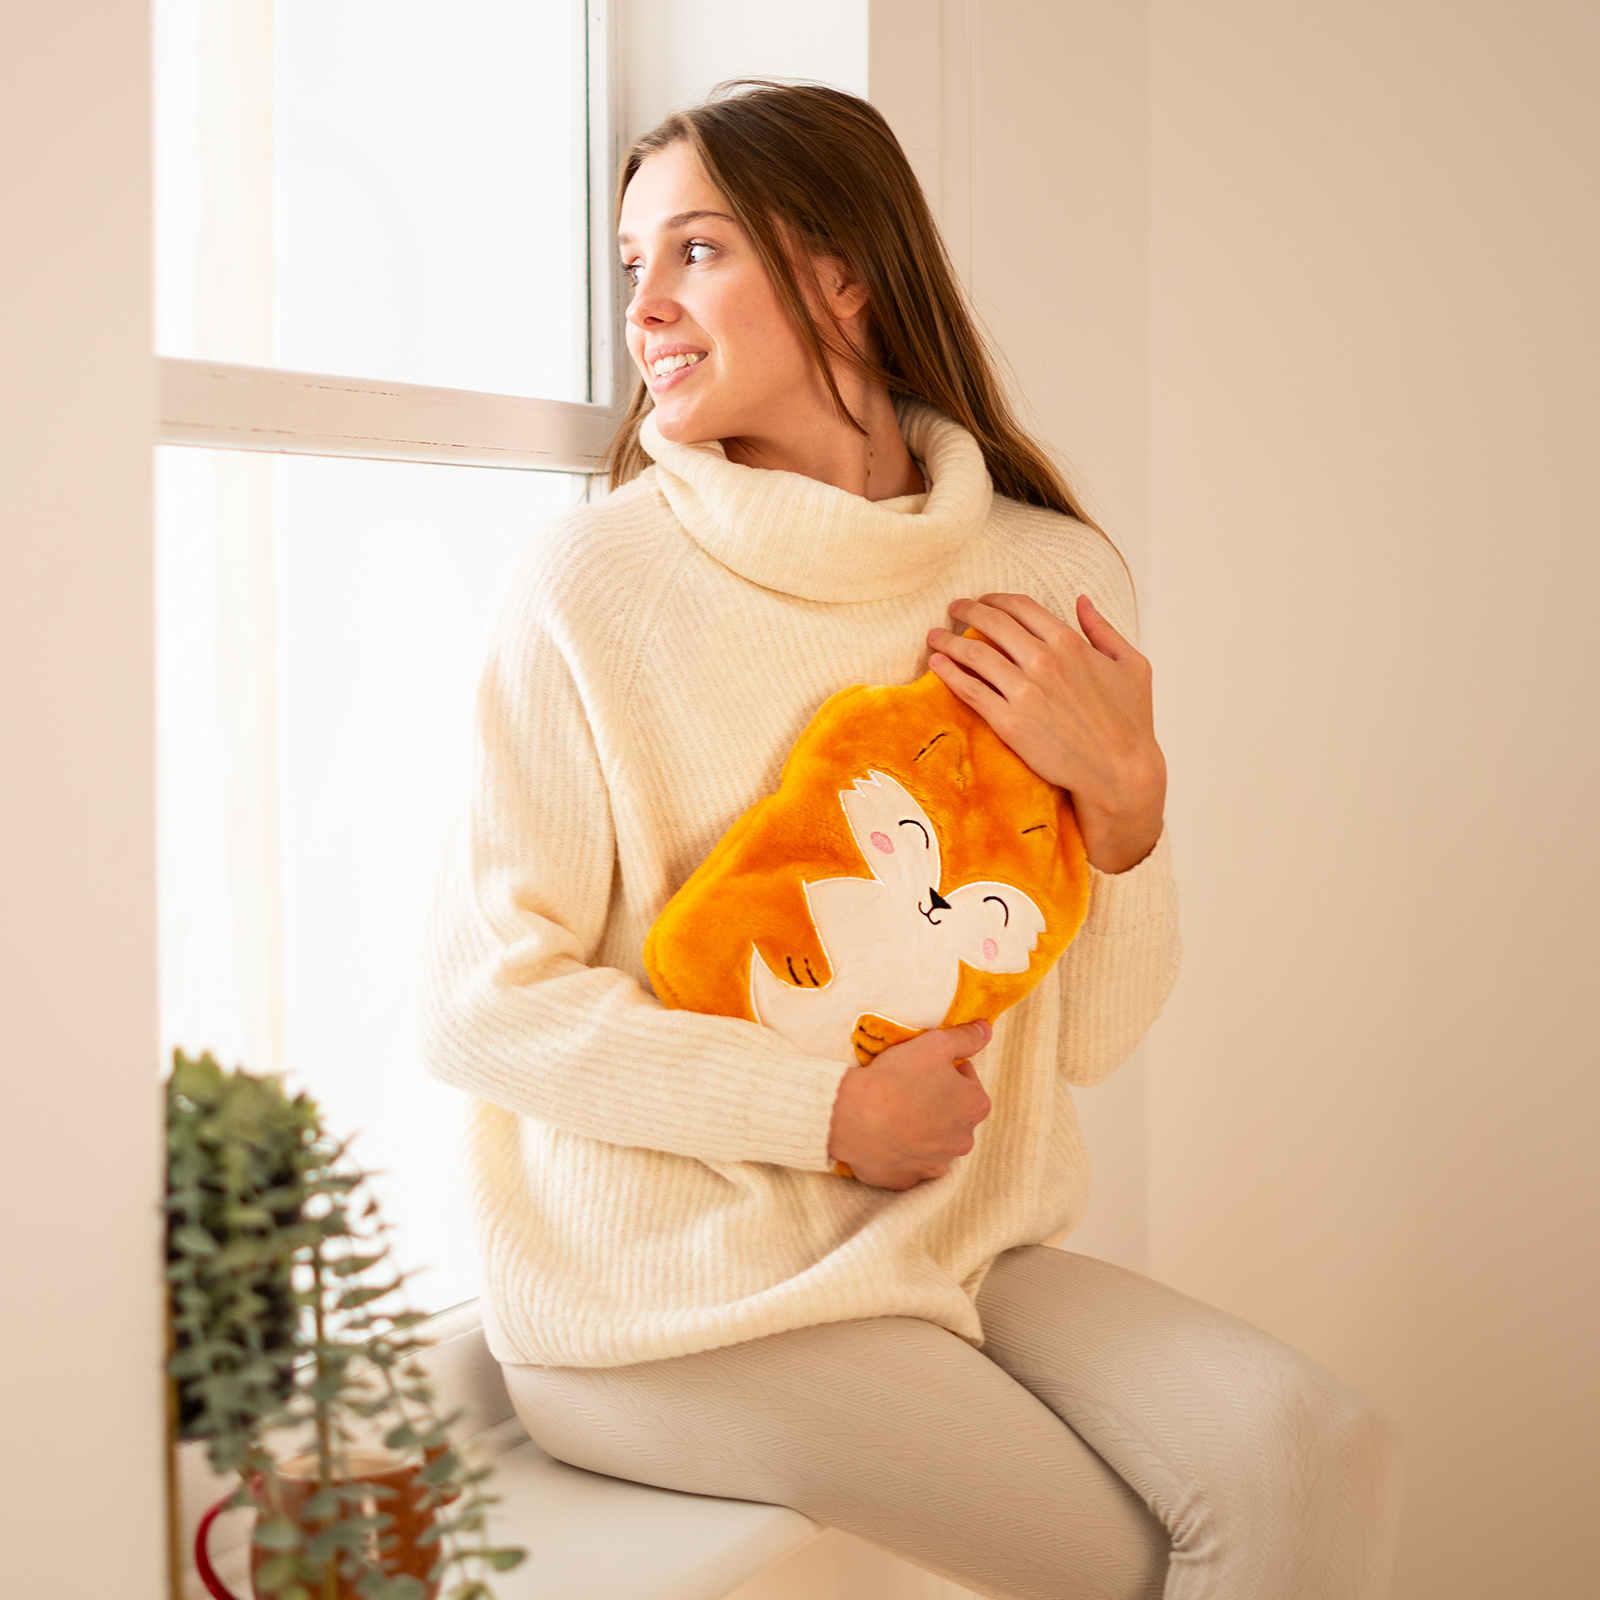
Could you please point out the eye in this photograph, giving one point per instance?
(631, 271)
(1003, 906)
(911, 822)
(694, 245)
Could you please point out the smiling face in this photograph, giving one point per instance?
(996, 925)
(705, 326)
(993, 927)
(895, 835)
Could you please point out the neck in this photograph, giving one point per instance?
(821, 444)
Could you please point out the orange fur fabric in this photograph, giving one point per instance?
(910, 872)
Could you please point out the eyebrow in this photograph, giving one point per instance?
(682, 220)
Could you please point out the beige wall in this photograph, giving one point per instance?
(80, 1339)
(1282, 1172)
(673, 51)
(1374, 562)
(1309, 295)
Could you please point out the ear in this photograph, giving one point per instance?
(843, 292)
(942, 755)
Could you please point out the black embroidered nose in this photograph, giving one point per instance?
(939, 901)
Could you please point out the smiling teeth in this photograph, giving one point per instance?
(668, 364)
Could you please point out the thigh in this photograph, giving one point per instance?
(1272, 1479)
(892, 1429)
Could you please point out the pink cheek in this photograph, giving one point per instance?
(990, 949)
(884, 843)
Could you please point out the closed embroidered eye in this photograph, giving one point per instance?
(1003, 906)
(911, 822)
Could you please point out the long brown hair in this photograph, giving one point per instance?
(821, 169)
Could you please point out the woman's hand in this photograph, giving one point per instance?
(1075, 707)
(909, 1114)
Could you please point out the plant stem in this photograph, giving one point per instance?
(330, 1576)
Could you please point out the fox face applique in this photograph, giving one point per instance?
(893, 943)
(910, 872)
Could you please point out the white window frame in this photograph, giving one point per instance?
(232, 407)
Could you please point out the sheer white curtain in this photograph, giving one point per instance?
(390, 190)
(378, 188)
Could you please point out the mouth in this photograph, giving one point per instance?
(671, 364)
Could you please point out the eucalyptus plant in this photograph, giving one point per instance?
(288, 1314)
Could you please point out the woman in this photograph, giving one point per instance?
(816, 472)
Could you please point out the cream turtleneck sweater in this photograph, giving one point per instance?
(649, 1183)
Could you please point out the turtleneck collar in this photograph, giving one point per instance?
(805, 538)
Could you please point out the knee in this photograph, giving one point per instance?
(1354, 1428)
(1371, 1448)
(1345, 1446)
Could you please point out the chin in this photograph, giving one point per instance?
(684, 425)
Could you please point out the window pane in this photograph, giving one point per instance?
(320, 630)
(379, 188)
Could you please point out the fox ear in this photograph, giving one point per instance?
(944, 755)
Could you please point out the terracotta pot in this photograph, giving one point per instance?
(298, 1482)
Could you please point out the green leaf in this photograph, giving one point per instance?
(505, 1558)
(278, 1574)
(348, 1266)
(469, 1521)
(352, 1299)
(329, 1540)
(277, 1533)
(375, 1586)
(325, 1503)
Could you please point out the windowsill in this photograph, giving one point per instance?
(588, 1537)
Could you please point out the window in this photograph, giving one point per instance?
(388, 339)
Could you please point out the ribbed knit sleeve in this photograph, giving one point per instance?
(515, 1014)
(1118, 972)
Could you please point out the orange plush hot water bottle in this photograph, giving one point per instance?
(911, 872)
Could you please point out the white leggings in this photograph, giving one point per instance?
(1113, 1439)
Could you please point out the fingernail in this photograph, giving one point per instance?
(988, 1029)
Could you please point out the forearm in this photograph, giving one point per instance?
(520, 1007)
(523, 1023)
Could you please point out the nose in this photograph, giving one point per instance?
(649, 307)
(939, 901)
